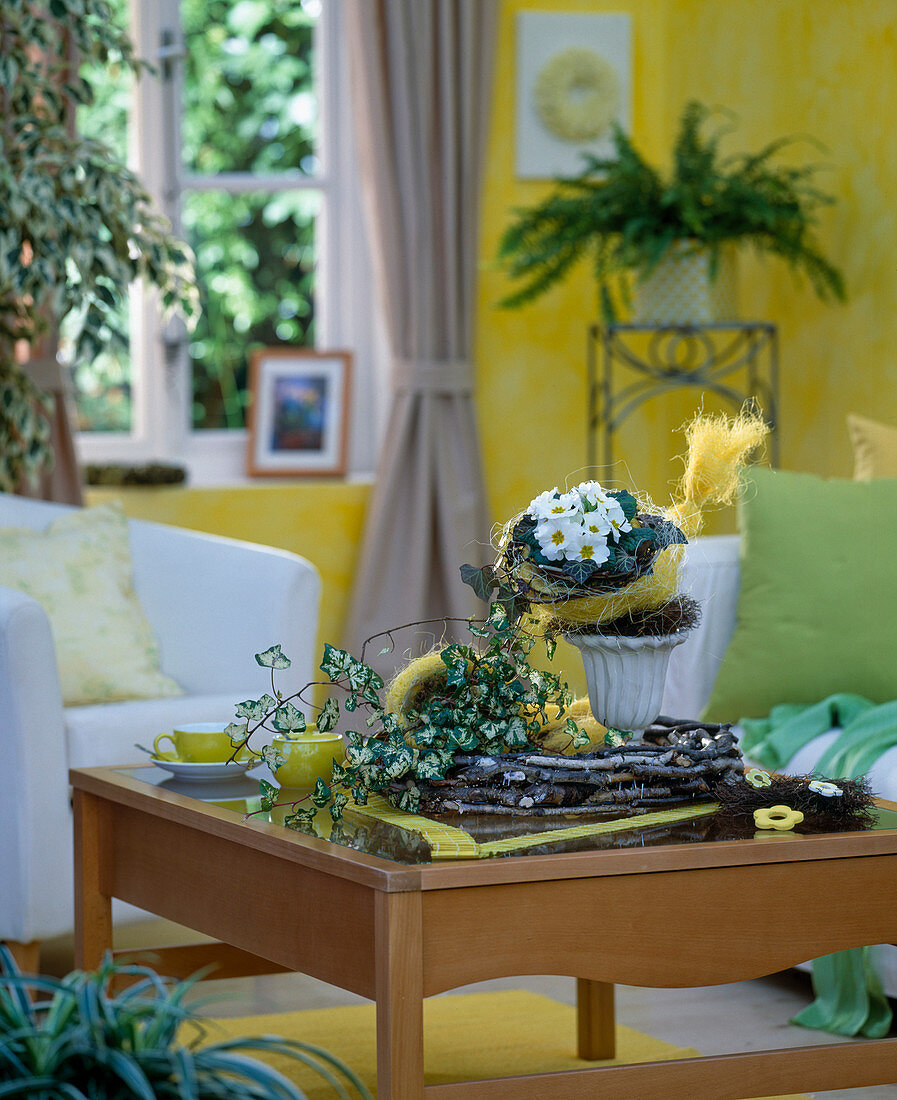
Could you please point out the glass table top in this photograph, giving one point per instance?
(240, 796)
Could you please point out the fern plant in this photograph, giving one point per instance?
(75, 1039)
(626, 215)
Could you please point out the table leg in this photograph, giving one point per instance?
(595, 1023)
(93, 908)
(399, 994)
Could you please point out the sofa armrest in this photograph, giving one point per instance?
(35, 856)
(215, 602)
(710, 576)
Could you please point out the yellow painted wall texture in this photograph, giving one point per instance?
(824, 68)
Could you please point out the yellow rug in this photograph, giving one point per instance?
(466, 1037)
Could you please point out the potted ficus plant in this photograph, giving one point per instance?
(631, 219)
(76, 225)
(89, 1035)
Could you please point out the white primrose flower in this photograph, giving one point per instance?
(559, 537)
(594, 549)
(554, 505)
(616, 517)
(592, 493)
(596, 524)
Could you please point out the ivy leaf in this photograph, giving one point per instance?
(255, 709)
(360, 795)
(273, 757)
(481, 580)
(322, 793)
(273, 658)
(302, 820)
(237, 732)
(516, 734)
(337, 803)
(498, 616)
(551, 644)
(409, 799)
(288, 719)
(269, 794)
(464, 737)
(328, 716)
(338, 663)
(579, 571)
(430, 767)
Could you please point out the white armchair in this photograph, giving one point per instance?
(212, 603)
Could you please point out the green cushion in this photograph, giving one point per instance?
(817, 610)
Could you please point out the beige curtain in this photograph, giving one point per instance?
(421, 72)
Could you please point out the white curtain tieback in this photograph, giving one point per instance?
(434, 376)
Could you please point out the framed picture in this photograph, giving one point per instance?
(574, 79)
(299, 412)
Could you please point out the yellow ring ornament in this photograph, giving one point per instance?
(577, 95)
(781, 818)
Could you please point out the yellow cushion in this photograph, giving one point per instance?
(79, 570)
(874, 447)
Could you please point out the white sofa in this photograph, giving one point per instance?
(213, 603)
(711, 576)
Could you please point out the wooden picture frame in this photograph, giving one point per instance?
(299, 412)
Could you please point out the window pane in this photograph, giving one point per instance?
(102, 386)
(249, 103)
(255, 256)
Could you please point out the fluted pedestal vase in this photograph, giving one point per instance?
(626, 676)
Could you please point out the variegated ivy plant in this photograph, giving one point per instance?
(493, 701)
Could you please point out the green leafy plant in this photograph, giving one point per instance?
(626, 215)
(75, 1038)
(487, 698)
(77, 227)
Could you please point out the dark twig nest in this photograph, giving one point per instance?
(851, 810)
(673, 762)
(676, 615)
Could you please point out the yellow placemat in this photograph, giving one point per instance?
(468, 1037)
(447, 842)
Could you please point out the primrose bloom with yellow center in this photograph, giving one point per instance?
(554, 505)
(559, 537)
(594, 550)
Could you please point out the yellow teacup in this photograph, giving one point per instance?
(197, 743)
(308, 757)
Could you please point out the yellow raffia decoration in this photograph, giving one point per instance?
(405, 688)
(718, 447)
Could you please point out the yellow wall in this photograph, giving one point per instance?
(824, 68)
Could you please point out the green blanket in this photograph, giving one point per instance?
(849, 995)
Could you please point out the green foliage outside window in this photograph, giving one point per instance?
(248, 106)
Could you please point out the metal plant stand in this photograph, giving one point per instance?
(629, 364)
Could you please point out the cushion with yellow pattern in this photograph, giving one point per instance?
(79, 570)
(874, 447)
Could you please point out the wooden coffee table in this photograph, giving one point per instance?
(660, 912)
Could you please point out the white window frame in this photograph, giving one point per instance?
(345, 314)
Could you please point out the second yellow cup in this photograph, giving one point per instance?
(307, 758)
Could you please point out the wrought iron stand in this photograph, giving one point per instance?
(738, 361)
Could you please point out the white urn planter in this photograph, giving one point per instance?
(626, 676)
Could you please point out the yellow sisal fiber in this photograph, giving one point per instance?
(718, 447)
(405, 688)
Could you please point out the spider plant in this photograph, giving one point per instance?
(77, 1038)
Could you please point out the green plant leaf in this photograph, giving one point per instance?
(273, 658)
(269, 794)
(482, 580)
(289, 719)
(328, 715)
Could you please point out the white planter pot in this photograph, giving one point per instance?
(679, 290)
(625, 676)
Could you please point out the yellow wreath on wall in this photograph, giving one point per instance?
(577, 94)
